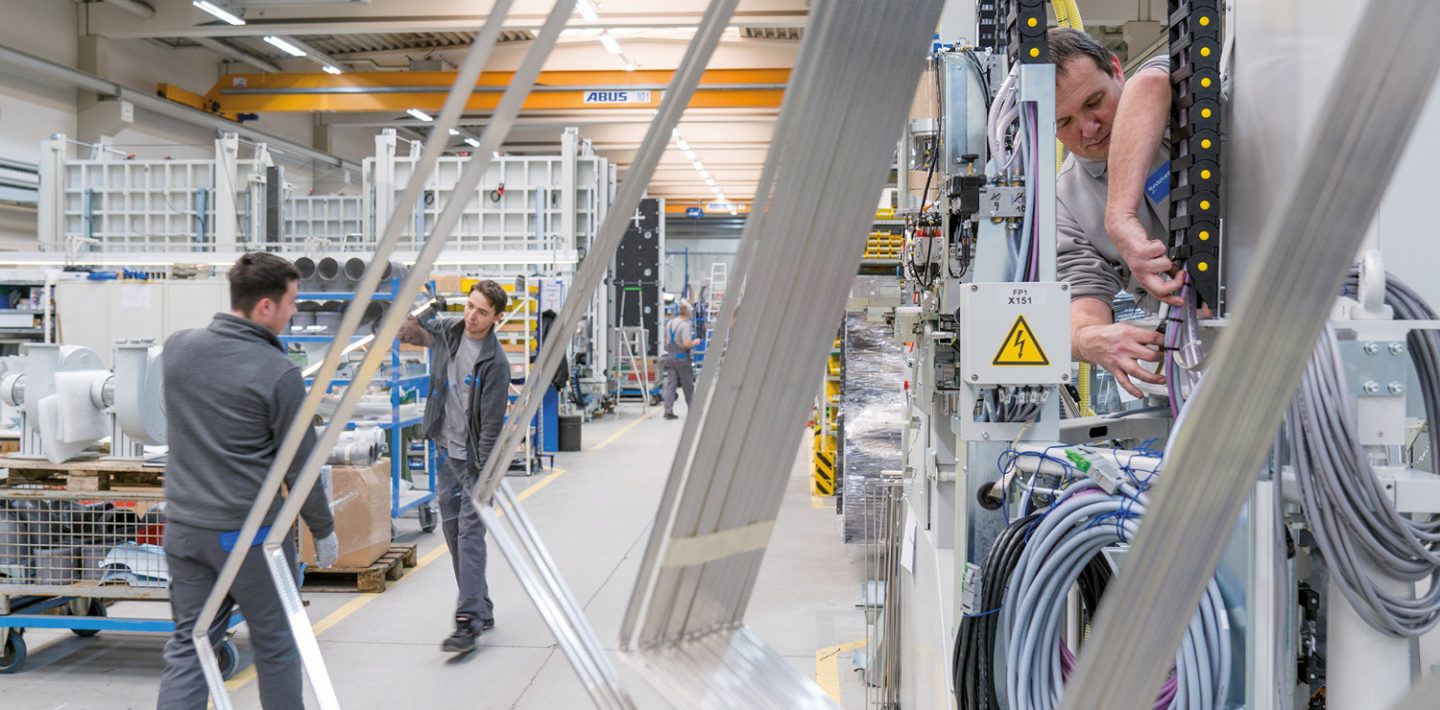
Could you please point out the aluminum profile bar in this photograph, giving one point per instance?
(517, 539)
(683, 628)
(1226, 430)
(364, 291)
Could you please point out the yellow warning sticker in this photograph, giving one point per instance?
(1020, 347)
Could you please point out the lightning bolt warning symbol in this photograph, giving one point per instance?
(1020, 347)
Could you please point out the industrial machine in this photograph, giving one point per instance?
(1020, 505)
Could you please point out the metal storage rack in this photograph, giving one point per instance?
(423, 502)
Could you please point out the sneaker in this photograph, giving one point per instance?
(463, 640)
(670, 416)
(487, 625)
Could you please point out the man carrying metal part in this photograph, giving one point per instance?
(469, 393)
(1113, 200)
(679, 340)
(230, 397)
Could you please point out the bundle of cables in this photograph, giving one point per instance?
(1184, 353)
(973, 662)
(1016, 124)
(1081, 522)
(1359, 532)
(1029, 572)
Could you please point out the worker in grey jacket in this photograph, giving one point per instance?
(1112, 201)
(231, 395)
(469, 393)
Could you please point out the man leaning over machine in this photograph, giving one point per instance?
(1113, 201)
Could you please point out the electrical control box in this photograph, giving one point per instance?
(1015, 333)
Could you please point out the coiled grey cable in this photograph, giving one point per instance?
(1355, 525)
(1083, 521)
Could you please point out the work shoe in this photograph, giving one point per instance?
(463, 640)
(670, 416)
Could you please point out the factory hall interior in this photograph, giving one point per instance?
(719, 355)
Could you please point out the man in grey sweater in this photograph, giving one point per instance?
(1113, 200)
(469, 394)
(231, 395)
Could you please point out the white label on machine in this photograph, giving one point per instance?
(1021, 296)
(1014, 333)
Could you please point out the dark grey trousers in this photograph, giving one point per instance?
(194, 557)
(679, 372)
(465, 536)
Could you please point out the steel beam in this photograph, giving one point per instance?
(557, 91)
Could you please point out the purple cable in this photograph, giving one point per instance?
(1035, 223)
(1163, 701)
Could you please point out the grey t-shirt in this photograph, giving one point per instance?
(1085, 257)
(677, 331)
(461, 383)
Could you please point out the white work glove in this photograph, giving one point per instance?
(327, 550)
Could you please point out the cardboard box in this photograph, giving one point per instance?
(360, 499)
(448, 283)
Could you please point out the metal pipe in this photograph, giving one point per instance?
(327, 274)
(44, 69)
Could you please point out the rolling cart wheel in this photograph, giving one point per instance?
(427, 517)
(96, 608)
(13, 656)
(228, 658)
(654, 400)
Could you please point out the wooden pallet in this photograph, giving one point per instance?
(371, 578)
(82, 475)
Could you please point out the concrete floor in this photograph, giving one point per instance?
(383, 650)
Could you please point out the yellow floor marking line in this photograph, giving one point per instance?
(623, 431)
(239, 680)
(827, 667)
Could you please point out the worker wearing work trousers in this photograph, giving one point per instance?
(230, 397)
(469, 388)
(679, 370)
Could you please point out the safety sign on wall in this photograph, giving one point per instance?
(1020, 347)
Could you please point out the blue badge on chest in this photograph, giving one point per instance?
(1157, 186)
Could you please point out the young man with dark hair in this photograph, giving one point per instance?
(231, 395)
(1112, 200)
(469, 393)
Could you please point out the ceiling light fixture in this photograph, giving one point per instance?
(610, 44)
(587, 10)
(419, 115)
(472, 142)
(218, 11)
(332, 69)
(286, 47)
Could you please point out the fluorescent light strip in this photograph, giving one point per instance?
(587, 10)
(610, 44)
(218, 11)
(284, 46)
(332, 69)
(472, 142)
(419, 115)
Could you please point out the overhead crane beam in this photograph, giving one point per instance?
(557, 90)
